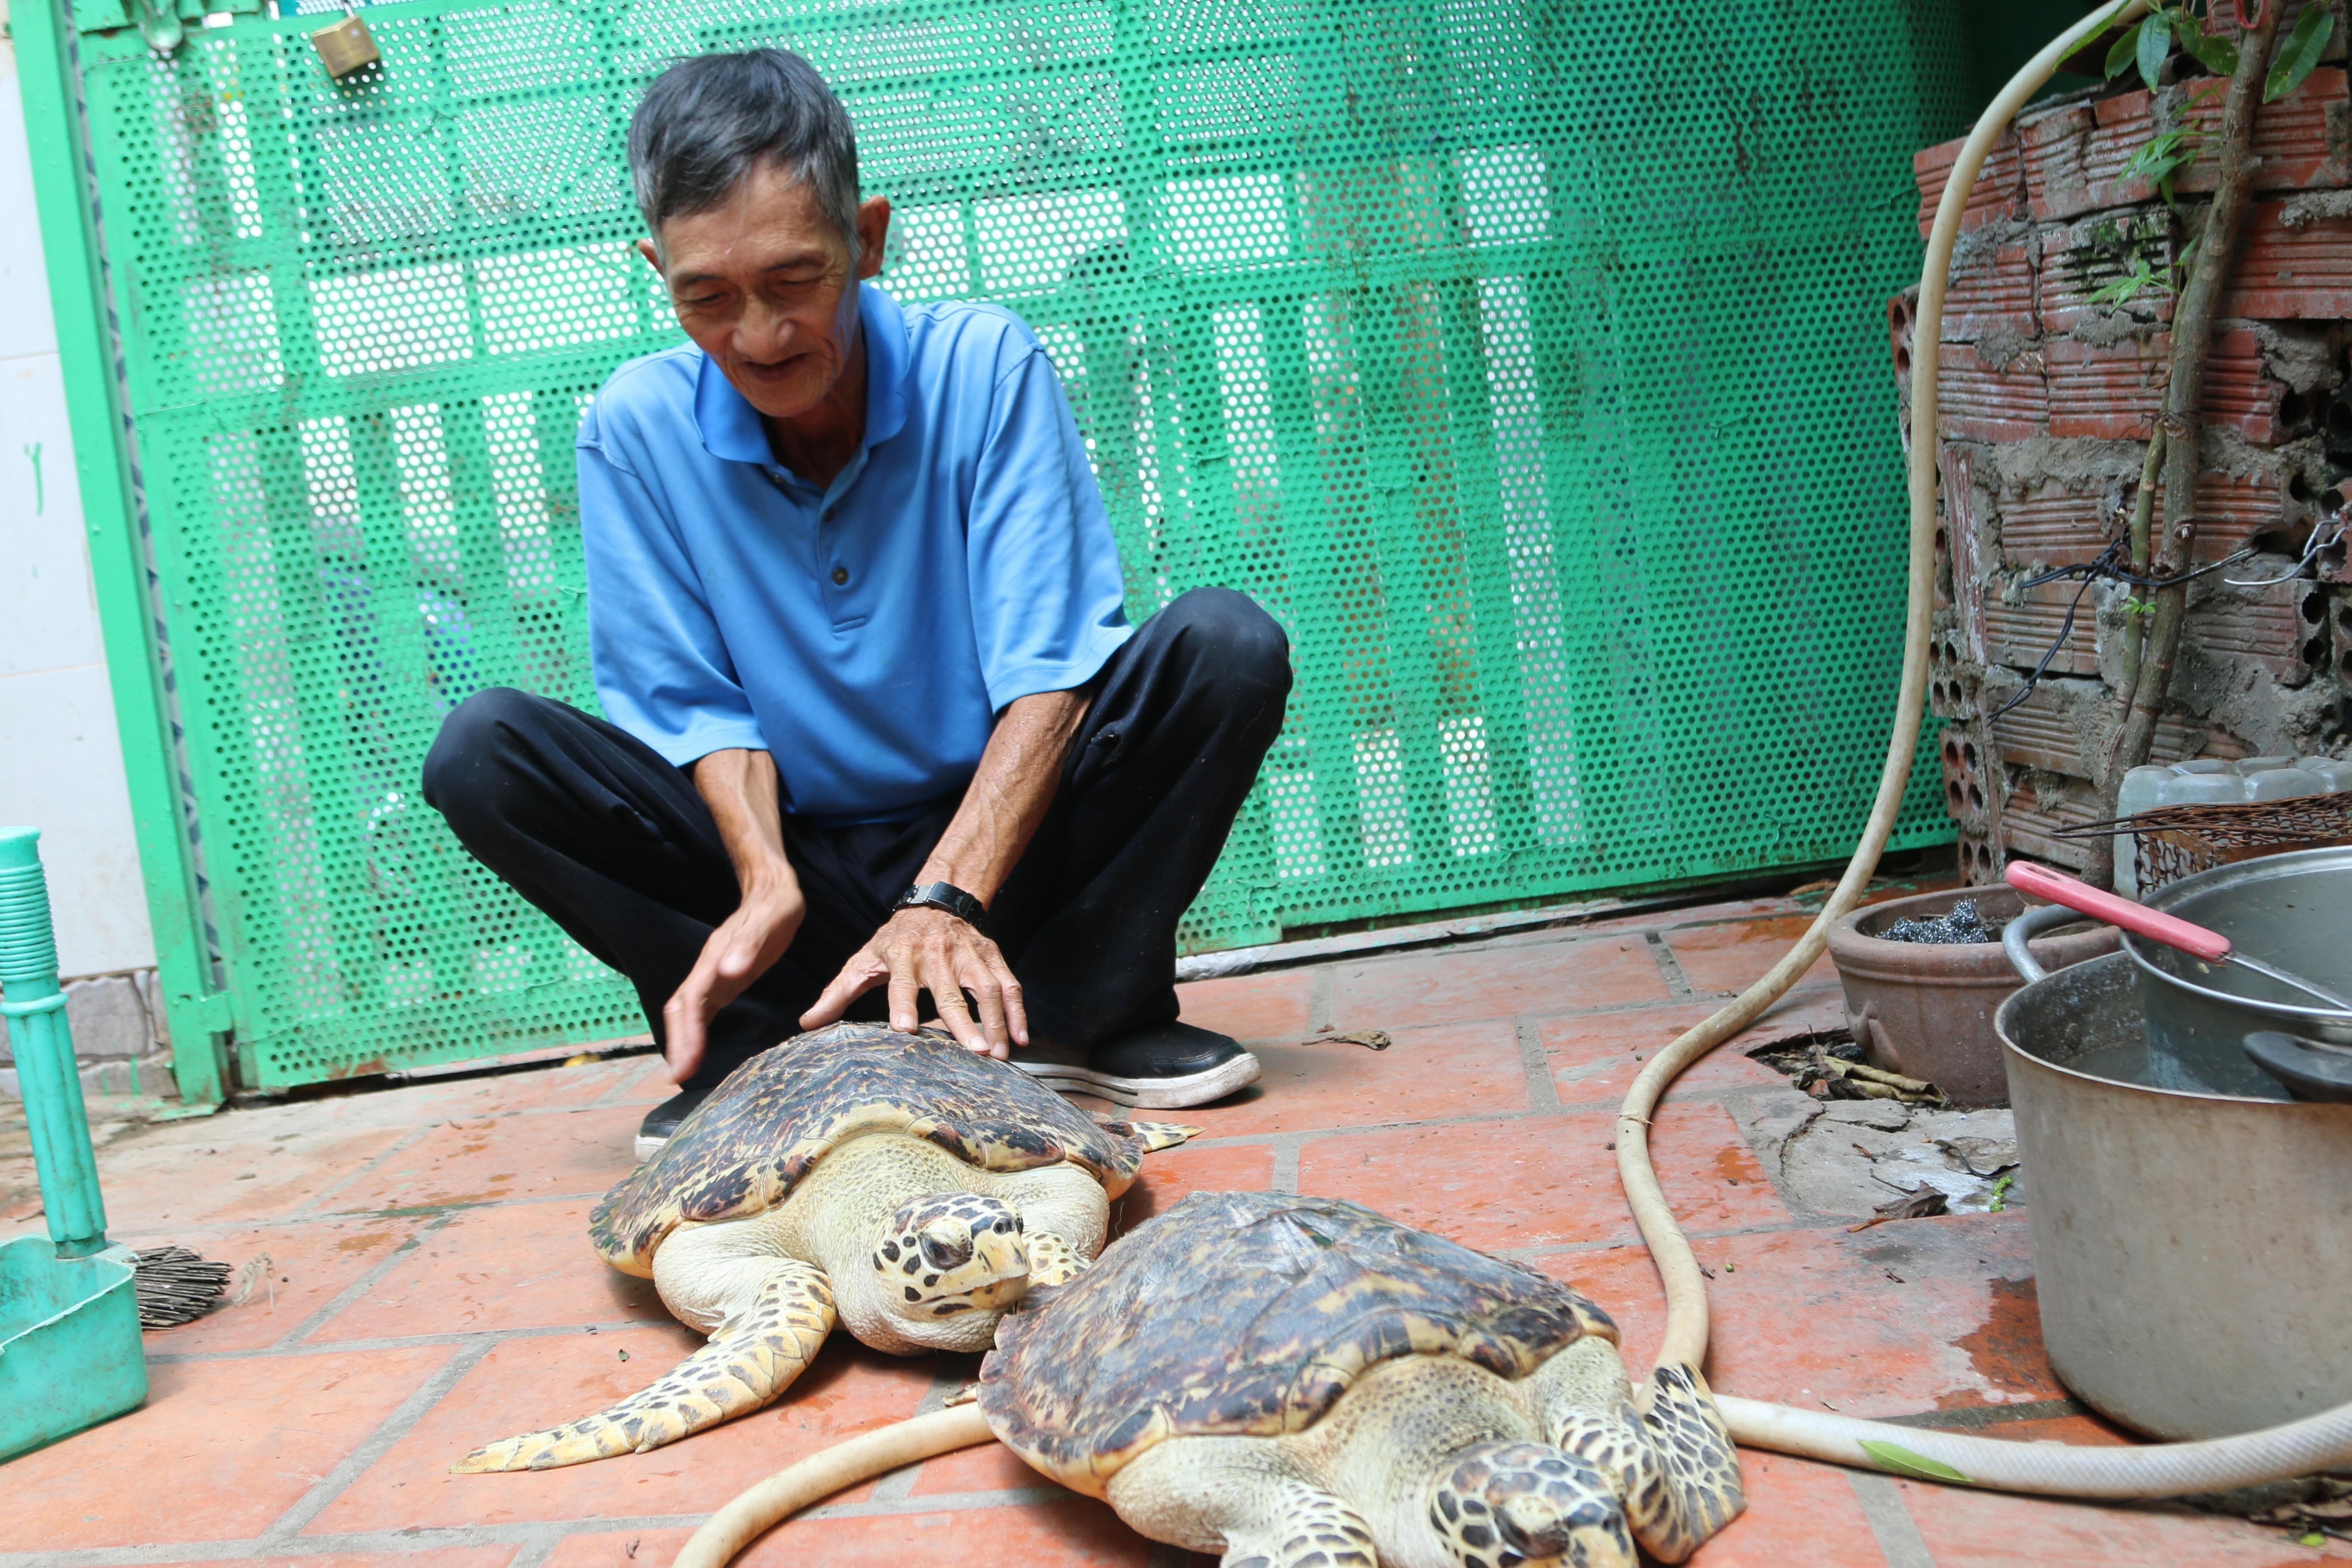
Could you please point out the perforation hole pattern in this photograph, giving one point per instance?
(1525, 361)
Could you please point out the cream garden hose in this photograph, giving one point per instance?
(2321, 1442)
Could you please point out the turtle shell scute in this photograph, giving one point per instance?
(1249, 1314)
(740, 1152)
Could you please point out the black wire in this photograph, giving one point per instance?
(2107, 564)
(2065, 630)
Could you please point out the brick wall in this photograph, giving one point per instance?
(2046, 400)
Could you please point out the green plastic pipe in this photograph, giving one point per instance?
(35, 1006)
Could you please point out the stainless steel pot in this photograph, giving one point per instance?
(2190, 1249)
(2294, 910)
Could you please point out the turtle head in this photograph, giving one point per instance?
(1505, 1504)
(947, 1259)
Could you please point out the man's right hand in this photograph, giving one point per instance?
(743, 948)
(739, 788)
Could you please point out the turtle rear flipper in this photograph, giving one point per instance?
(1151, 1136)
(1702, 1491)
(749, 1360)
(1137, 1139)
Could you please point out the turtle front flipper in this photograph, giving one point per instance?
(1244, 1497)
(751, 1358)
(1053, 1261)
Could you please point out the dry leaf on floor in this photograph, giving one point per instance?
(1926, 1201)
(1378, 1039)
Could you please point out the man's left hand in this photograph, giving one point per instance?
(930, 950)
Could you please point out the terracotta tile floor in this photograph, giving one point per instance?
(430, 1287)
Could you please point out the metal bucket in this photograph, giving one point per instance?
(2190, 1249)
(2294, 910)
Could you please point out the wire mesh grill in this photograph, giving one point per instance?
(1523, 360)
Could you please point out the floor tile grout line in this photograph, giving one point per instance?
(1974, 1417)
(1713, 1097)
(1321, 995)
(1801, 994)
(534, 1549)
(413, 1539)
(390, 1430)
(1670, 968)
(364, 1283)
(1565, 929)
(1890, 1521)
(491, 1337)
(170, 1228)
(611, 1097)
(1284, 1177)
(1634, 1239)
(401, 1146)
(1543, 1090)
(944, 1502)
(899, 1484)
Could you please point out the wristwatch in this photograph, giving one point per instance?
(949, 897)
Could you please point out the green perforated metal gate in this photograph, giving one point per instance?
(1526, 360)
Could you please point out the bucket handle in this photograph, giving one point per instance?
(2024, 929)
(2310, 1071)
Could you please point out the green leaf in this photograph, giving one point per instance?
(2155, 44)
(2119, 54)
(2300, 53)
(1904, 1462)
(2219, 56)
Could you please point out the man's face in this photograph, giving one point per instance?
(763, 284)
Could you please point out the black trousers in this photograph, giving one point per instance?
(594, 828)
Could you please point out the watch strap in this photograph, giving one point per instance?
(949, 897)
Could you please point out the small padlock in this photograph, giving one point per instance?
(347, 46)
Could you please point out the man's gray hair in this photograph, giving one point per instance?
(707, 122)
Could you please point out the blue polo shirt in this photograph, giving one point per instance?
(866, 632)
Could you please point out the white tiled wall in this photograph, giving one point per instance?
(60, 763)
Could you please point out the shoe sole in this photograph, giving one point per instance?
(1146, 1093)
(649, 1147)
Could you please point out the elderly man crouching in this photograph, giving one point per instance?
(877, 720)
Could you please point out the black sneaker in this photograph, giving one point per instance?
(663, 1119)
(1164, 1068)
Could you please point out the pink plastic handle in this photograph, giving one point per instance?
(2059, 889)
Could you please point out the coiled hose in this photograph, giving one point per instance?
(2322, 1442)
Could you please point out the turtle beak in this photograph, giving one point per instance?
(1006, 1255)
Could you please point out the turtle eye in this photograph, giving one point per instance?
(945, 1252)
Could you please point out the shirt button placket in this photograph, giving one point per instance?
(840, 574)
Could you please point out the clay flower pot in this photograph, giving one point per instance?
(1926, 1010)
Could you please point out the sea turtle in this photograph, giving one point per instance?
(901, 1182)
(1300, 1383)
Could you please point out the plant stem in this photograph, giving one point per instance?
(2184, 398)
(2143, 514)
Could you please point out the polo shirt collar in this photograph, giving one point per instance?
(730, 426)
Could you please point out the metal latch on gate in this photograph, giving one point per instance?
(346, 47)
